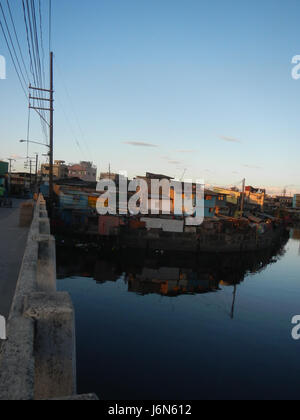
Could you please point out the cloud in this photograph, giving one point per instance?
(252, 167)
(139, 144)
(186, 151)
(17, 157)
(174, 162)
(230, 139)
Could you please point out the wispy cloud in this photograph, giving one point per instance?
(252, 166)
(140, 144)
(174, 162)
(230, 139)
(16, 157)
(186, 151)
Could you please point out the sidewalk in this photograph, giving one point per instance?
(12, 245)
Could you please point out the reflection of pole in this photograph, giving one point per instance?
(233, 302)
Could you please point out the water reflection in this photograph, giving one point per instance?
(158, 326)
(166, 275)
(295, 234)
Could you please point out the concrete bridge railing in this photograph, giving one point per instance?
(38, 359)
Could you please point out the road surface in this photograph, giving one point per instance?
(12, 245)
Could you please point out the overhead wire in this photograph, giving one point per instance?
(20, 77)
(34, 54)
(17, 38)
(72, 108)
(12, 50)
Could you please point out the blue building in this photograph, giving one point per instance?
(213, 202)
(296, 201)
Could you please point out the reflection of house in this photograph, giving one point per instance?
(170, 281)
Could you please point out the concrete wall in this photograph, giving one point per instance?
(38, 360)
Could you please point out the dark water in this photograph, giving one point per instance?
(174, 328)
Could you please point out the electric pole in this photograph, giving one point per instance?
(30, 163)
(50, 100)
(36, 171)
(9, 173)
(243, 196)
(51, 133)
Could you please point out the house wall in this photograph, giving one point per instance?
(73, 200)
(296, 201)
(166, 225)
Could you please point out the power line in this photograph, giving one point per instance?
(12, 44)
(72, 108)
(34, 54)
(17, 38)
(11, 55)
(38, 59)
(42, 41)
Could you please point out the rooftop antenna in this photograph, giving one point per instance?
(184, 172)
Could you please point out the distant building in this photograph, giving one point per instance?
(284, 201)
(60, 170)
(85, 171)
(253, 196)
(109, 175)
(296, 201)
(20, 183)
(3, 168)
(3, 173)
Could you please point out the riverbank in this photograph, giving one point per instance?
(230, 236)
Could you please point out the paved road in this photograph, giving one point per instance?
(12, 245)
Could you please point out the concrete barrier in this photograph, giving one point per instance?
(26, 214)
(38, 359)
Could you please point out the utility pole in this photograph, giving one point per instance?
(9, 173)
(36, 170)
(51, 133)
(50, 124)
(30, 163)
(243, 196)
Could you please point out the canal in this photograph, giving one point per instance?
(181, 328)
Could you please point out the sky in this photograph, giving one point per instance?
(200, 88)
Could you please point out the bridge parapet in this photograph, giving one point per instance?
(38, 360)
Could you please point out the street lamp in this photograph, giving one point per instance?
(35, 142)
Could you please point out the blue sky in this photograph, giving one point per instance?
(206, 83)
